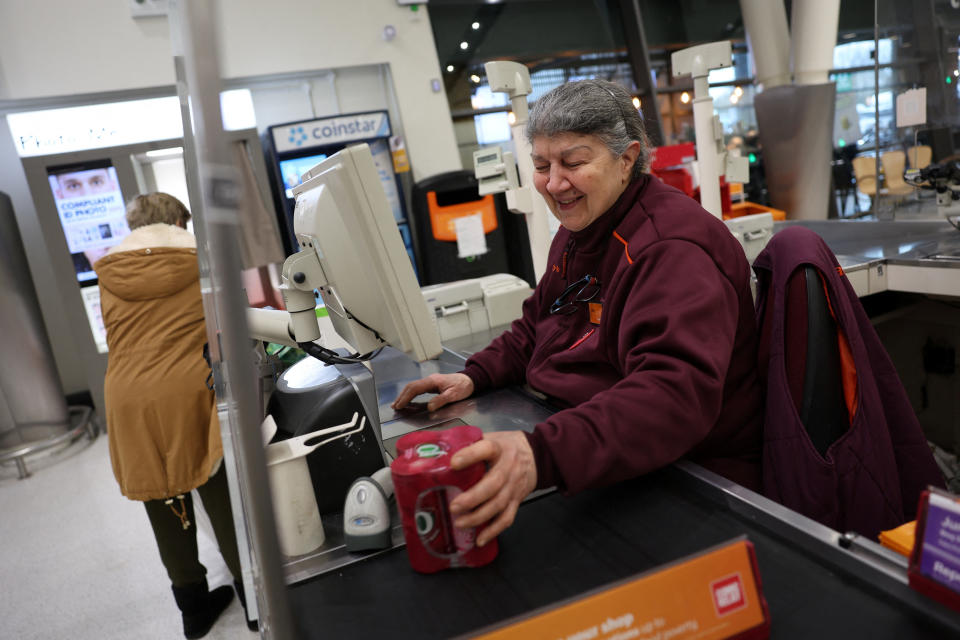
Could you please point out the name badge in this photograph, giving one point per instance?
(596, 309)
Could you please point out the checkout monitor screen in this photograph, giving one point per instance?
(292, 169)
(91, 211)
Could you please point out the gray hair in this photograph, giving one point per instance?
(157, 207)
(592, 107)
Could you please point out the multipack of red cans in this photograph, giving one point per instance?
(425, 485)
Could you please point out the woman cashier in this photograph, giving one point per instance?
(641, 330)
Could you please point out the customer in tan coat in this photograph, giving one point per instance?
(161, 420)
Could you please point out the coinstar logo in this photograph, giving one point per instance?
(340, 129)
(297, 136)
(430, 451)
(336, 130)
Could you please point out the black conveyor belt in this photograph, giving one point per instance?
(560, 547)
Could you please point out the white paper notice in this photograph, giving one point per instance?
(91, 303)
(471, 241)
(912, 107)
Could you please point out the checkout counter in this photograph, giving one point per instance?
(817, 582)
(917, 257)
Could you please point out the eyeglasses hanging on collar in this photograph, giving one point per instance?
(583, 290)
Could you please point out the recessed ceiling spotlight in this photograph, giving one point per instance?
(684, 97)
(449, 68)
(464, 45)
(475, 26)
(475, 78)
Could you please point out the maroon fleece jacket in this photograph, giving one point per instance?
(668, 371)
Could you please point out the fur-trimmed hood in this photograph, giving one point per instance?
(155, 235)
(154, 261)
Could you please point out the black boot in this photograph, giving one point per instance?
(201, 607)
(251, 624)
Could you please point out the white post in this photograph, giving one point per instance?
(707, 157)
(697, 62)
(513, 79)
(765, 22)
(814, 24)
(536, 211)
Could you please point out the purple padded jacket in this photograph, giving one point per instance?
(871, 477)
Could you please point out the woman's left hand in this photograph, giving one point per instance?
(511, 476)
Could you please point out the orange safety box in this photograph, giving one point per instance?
(746, 208)
(442, 217)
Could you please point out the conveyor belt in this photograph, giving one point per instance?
(560, 547)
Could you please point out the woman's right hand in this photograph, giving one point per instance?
(449, 387)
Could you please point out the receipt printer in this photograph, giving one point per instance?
(753, 232)
(467, 306)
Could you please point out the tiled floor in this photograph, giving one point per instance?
(78, 560)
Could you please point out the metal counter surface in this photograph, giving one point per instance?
(918, 257)
(862, 242)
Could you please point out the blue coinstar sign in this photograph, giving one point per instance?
(327, 131)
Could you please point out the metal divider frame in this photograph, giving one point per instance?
(214, 188)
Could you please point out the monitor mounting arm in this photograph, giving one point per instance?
(697, 62)
(302, 274)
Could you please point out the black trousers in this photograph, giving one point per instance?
(178, 545)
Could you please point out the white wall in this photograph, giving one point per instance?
(64, 47)
(326, 93)
(53, 51)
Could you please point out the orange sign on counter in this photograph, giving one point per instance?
(714, 594)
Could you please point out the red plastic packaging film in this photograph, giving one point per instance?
(425, 485)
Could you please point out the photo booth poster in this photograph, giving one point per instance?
(91, 211)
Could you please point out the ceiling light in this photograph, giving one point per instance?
(164, 153)
(475, 78)
(684, 97)
(475, 26)
(464, 45)
(449, 68)
(636, 102)
(737, 91)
